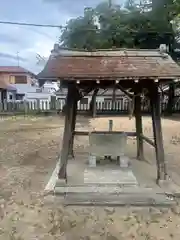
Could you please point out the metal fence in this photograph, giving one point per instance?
(102, 108)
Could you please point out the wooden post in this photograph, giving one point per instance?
(157, 130)
(71, 98)
(93, 103)
(110, 125)
(53, 103)
(114, 98)
(38, 106)
(171, 96)
(3, 99)
(161, 103)
(73, 126)
(139, 129)
(94, 108)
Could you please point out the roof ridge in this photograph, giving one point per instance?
(58, 47)
(116, 54)
(73, 52)
(15, 69)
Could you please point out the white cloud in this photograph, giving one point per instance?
(26, 40)
(28, 46)
(29, 41)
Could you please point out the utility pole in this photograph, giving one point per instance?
(18, 59)
(110, 3)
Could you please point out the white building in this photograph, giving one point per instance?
(42, 93)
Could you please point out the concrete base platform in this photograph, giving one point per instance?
(110, 185)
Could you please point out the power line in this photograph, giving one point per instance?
(31, 24)
(46, 25)
(63, 27)
(41, 25)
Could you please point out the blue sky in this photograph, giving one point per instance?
(29, 41)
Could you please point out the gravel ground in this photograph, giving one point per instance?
(29, 148)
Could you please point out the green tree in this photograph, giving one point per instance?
(108, 25)
(80, 32)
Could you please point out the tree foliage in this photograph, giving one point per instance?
(145, 25)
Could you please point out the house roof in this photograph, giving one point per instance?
(14, 69)
(106, 64)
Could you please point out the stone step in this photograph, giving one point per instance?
(109, 176)
(125, 199)
(60, 183)
(108, 189)
(112, 195)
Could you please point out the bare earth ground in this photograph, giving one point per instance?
(29, 149)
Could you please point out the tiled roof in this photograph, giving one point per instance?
(110, 64)
(14, 69)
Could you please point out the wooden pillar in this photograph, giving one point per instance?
(94, 107)
(93, 103)
(53, 103)
(113, 97)
(161, 103)
(138, 119)
(171, 96)
(157, 130)
(71, 98)
(73, 126)
(4, 99)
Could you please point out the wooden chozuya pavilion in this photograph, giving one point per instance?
(140, 70)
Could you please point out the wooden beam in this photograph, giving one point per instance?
(84, 92)
(71, 98)
(148, 140)
(79, 95)
(86, 133)
(138, 120)
(129, 95)
(157, 130)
